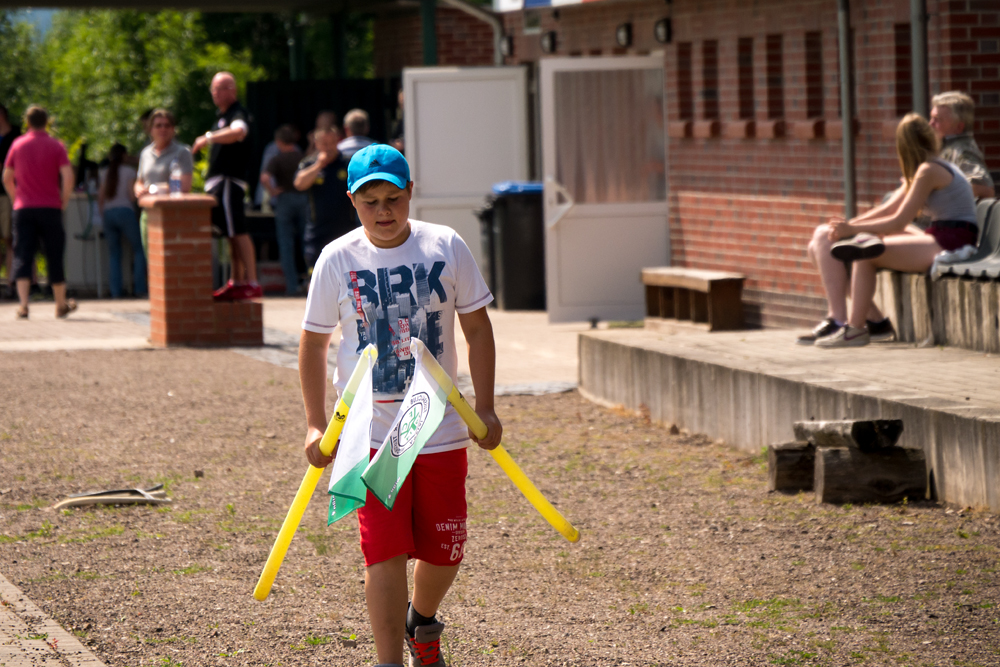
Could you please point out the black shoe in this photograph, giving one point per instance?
(859, 246)
(825, 328)
(881, 332)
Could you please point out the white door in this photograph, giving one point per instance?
(466, 129)
(604, 166)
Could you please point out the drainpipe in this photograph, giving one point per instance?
(428, 29)
(918, 55)
(486, 17)
(847, 106)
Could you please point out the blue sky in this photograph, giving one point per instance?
(40, 18)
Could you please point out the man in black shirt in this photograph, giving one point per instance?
(228, 159)
(324, 175)
(8, 133)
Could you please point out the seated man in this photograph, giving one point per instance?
(952, 116)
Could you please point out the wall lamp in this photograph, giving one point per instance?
(549, 42)
(663, 31)
(623, 34)
(506, 46)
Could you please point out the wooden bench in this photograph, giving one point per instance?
(696, 295)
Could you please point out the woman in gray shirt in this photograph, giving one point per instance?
(155, 161)
(884, 241)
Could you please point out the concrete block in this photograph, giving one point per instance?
(990, 441)
(782, 404)
(887, 296)
(990, 298)
(956, 459)
(950, 318)
(918, 432)
(747, 415)
(750, 408)
(823, 401)
(972, 310)
(921, 307)
(904, 328)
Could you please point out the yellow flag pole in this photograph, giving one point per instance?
(311, 479)
(500, 455)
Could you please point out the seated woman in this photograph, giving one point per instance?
(885, 241)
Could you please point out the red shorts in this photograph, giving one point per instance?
(427, 521)
(953, 238)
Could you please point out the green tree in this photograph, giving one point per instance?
(21, 76)
(108, 67)
(266, 37)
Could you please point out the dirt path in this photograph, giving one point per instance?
(685, 559)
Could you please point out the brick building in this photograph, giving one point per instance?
(461, 40)
(753, 111)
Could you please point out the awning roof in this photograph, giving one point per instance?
(315, 6)
(517, 5)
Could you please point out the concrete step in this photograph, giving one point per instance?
(748, 388)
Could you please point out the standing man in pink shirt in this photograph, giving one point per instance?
(39, 180)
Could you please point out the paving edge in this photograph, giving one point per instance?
(750, 409)
(67, 647)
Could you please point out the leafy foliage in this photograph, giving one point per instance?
(98, 71)
(21, 74)
(108, 67)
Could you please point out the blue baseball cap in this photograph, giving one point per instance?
(378, 162)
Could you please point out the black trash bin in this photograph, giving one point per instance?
(514, 245)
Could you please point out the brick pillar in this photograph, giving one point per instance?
(182, 311)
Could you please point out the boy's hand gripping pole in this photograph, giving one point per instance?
(311, 479)
(500, 455)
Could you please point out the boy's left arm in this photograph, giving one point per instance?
(482, 365)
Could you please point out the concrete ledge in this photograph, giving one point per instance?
(751, 402)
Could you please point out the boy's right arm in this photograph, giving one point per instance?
(313, 349)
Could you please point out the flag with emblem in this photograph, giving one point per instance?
(419, 417)
(347, 491)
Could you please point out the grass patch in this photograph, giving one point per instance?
(97, 534)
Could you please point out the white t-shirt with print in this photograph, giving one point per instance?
(388, 295)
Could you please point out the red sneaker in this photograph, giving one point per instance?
(425, 646)
(225, 293)
(253, 291)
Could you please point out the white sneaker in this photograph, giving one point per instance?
(847, 337)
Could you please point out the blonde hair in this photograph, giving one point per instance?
(960, 104)
(915, 144)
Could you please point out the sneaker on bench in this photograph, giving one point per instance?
(425, 646)
(825, 328)
(860, 246)
(845, 337)
(881, 332)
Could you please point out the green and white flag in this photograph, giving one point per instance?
(347, 491)
(418, 418)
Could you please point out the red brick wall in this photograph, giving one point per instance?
(182, 310)
(461, 39)
(769, 193)
(964, 54)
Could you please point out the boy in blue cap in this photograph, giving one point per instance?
(391, 280)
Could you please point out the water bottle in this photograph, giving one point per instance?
(175, 179)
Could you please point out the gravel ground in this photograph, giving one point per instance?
(685, 558)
